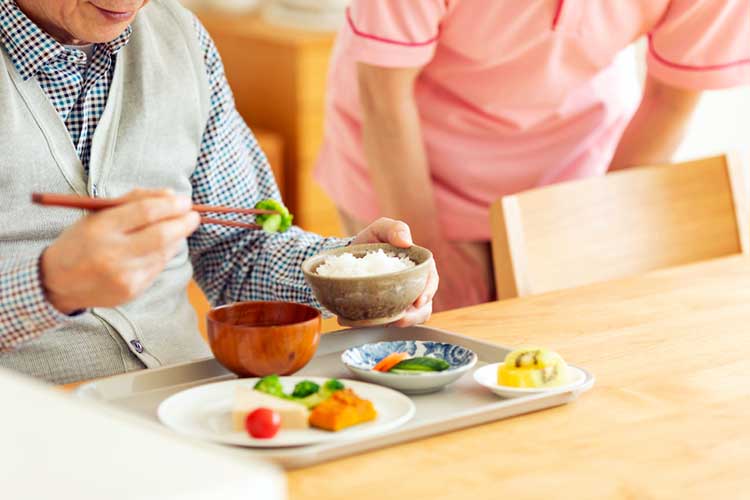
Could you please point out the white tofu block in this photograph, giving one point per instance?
(246, 400)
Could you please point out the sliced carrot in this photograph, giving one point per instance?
(390, 361)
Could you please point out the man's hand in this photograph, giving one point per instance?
(110, 257)
(398, 234)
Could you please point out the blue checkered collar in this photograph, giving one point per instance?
(29, 47)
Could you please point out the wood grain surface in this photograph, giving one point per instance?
(667, 418)
(622, 224)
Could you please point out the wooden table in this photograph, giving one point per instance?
(668, 417)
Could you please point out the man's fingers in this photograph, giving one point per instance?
(415, 316)
(430, 288)
(385, 230)
(143, 211)
(140, 193)
(162, 237)
(421, 310)
(172, 250)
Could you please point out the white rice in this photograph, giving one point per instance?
(347, 265)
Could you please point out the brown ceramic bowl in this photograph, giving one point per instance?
(370, 300)
(254, 339)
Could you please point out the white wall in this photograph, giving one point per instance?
(721, 123)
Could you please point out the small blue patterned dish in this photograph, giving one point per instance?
(361, 359)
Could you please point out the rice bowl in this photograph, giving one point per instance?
(369, 299)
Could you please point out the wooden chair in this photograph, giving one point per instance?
(201, 305)
(622, 224)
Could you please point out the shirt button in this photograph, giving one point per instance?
(137, 346)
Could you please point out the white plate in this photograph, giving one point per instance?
(205, 412)
(487, 376)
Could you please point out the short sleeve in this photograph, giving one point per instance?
(702, 44)
(394, 33)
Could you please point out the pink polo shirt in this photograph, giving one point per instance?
(518, 94)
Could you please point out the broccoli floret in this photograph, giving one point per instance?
(329, 387)
(333, 385)
(325, 392)
(306, 393)
(271, 384)
(273, 223)
(304, 389)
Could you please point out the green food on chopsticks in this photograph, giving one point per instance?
(420, 364)
(274, 223)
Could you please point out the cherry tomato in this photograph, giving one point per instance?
(263, 423)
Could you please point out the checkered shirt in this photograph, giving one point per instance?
(229, 264)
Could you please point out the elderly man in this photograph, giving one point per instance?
(99, 97)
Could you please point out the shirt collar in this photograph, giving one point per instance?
(29, 47)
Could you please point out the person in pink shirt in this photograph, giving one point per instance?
(436, 108)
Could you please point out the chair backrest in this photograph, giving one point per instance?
(622, 224)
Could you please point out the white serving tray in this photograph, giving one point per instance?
(462, 404)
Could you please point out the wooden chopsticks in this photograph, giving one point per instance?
(230, 223)
(88, 203)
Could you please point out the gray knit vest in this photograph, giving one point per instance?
(149, 136)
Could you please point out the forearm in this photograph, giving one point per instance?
(25, 312)
(233, 264)
(396, 158)
(657, 128)
(274, 272)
